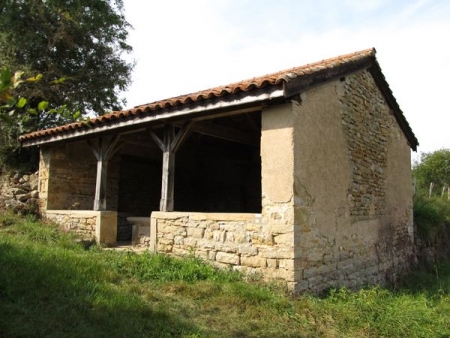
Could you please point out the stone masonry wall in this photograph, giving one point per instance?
(19, 192)
(100, 226)
(81, 222)
(226, 240)
(381, 177)
(353, 198)
(67, 178)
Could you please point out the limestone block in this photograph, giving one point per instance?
(229, 236)
(245, 270)
(227, 226)
(219, 236)
(167, 228)
(206, 244)
(165, 241)
(253, 261)
(180, 232)
(214, 226)
(208, 234)
(280, 274)
(284, 239)
(273, 252)
(230, 248)
(279, 228)
(287, 264)
(212, 255)
(202, 254)
(247, 250)
(180, 251)
(262, 239)
(220, 265)
(253, 226)
(241, 237)
(272, 263)
(164, 248)
(190, 242)
(227, 258)
(195, 232)
(177, 240)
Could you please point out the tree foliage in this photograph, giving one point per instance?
(79, 41)
(18, 116)
(433, 168)
(75, 47)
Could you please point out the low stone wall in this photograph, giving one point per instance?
(81, 222)
(226, 240)
(100, 226)
(19, 193)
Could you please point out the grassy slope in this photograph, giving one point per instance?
(52, 287)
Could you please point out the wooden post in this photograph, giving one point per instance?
(103, 149)
(169, 146)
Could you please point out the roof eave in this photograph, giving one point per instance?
(242, 102)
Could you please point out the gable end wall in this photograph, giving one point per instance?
(353, 191)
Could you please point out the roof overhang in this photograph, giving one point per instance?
(229, 105)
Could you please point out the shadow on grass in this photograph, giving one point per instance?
(63, 294)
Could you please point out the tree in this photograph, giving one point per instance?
(77, 47)
(81, 41)
(433, 168)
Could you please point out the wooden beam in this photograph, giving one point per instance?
(226, 133)
(103, 149)
(181, 136)
(169, 146)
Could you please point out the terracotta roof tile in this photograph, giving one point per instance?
(234, 88)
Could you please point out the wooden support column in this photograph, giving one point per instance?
(103, 149)
(169, 146)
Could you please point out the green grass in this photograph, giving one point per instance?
(50, 286)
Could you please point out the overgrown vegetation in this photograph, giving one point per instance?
(50, 286)
(432, 200)
(431, 216)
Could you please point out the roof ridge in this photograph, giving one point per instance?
(359, 54)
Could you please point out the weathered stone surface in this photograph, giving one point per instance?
(253, 261)
(15, 193)
(227, 258)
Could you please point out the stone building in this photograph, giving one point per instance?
(301, 175)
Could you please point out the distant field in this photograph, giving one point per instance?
(50, 286)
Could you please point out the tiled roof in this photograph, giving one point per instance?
(249, 85)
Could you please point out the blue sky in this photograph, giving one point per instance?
(182, 46)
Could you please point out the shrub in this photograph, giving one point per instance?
(431, 216)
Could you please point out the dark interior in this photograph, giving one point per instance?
(212, 174)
